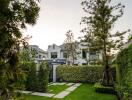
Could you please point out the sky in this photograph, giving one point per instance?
(56, 17)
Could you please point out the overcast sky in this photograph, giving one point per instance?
(58, 16)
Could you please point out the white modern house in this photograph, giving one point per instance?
(83, 57)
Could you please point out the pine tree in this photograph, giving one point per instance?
(43, 77)
(99, 23)
(14, 15)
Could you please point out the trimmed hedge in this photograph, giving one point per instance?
(89, 74)
(29, 68)
(43, 77)
(104, 89)
(36, 80)
(124, 73)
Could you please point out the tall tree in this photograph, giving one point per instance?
(14, 15)
(70, 46)
(101, 18)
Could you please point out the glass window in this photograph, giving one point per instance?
(53, 54)
(84, 55)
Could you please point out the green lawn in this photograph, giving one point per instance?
(84, 92)
(56, 88)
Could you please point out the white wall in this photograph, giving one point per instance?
(55, 49)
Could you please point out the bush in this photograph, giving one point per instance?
(31, 83)
(104, 89)
(28, 69)
(36, 81)
(43, 77)
(88, 74)
(124, 73)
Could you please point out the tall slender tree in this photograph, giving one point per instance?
(101, 18)
(70, 46)
(14, 15)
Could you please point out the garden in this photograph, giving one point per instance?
(106, 78)
(77, 82)
(83, 92)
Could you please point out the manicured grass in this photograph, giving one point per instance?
(55, 89)
(84, 92)
(87, 92)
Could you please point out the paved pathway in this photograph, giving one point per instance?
(43, 94)
(67, 91)
(57, 84)
(62, 94)
(37, 93)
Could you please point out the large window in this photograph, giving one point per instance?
(84, 54)
(53, 54)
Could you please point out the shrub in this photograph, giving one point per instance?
(104, 89)
(43, 77)
(27, 68)
(88, 74)
(124, 73)
(31, 83)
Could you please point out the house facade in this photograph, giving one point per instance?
(83, 57)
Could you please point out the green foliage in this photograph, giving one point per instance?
(43, 77)
(11, 78)
(36, 80)
(99, 23)
(124, 71)
(104, 89)
(14, 15)
(32, 81)
(88, 74)
(27, 55)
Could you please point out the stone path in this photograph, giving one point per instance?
(57, 84)
(62, 94)
(69, 84)
(67, 91)
(43, 94)
(37, 93)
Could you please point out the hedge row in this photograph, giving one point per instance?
(90, 74)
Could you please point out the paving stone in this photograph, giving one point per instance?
(77, 84)
(58, 84)
(67, 91)
(26, 92)
(72, 88)
(37, 93)
(69, 84)
(43, 94)
(62, 94)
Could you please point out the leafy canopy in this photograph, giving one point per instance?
(14, 15)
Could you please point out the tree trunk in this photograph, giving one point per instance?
(107, 76)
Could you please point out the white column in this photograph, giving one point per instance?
(54, 72)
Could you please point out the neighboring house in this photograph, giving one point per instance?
(40, 54)
(83, 57)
